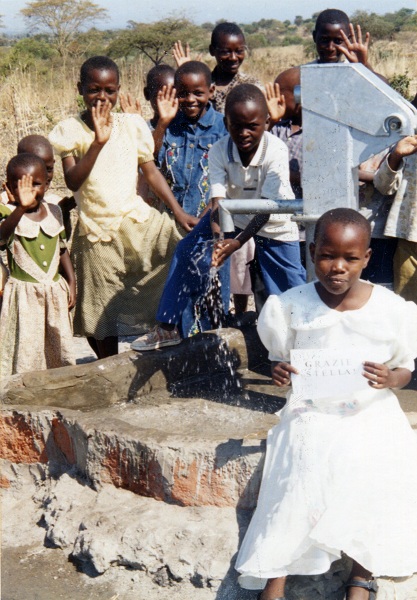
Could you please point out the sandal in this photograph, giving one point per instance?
(371, 586)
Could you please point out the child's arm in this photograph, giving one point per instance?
(27, 200)
(405, 147)
(222, 250)
(167, 103)
(281, 373)
(275, 102)
(69, 275)
(76, 172)
(380, 376)
(157, 182)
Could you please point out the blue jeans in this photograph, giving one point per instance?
(189, 279)
(280, 264)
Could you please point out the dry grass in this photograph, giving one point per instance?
(34, 101)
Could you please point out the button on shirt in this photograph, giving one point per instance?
(183, 158)
(267, 176)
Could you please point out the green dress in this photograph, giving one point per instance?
(35, 324)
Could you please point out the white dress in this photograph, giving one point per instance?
(340, 474)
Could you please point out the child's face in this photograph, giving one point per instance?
(327, 39)
(48, 158)
(193, 94)
(39, 181)
(229, 52)
(158, 83)
(101, 85)
(246, 122)
(339, 255)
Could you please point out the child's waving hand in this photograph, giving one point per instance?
(129, 105)
(356, 50)
(167, 103)
(26, 192)
(182, 56)
(281, 373)
(380, 376)
(275, 102)
(102, 121)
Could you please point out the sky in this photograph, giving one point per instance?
(241, 11)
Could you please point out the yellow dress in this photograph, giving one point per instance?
(122, 247)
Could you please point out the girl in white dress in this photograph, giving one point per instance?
(340, 473)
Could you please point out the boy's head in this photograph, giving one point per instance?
(326, 34)
(228, 47)
(194, 89)
(99, 81)
(246, 116)
(287, 81)
(156, 78)
(39, 145)
(340, 250)
(27, 164)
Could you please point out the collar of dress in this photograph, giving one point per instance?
(51, 225)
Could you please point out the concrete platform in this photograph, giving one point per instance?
(178, 436)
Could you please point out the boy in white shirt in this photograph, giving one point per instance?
(251, 163)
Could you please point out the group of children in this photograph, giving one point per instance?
(127, 255)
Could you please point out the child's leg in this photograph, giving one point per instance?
(280, 264)
(274, 589)
(109, 346)
(360, 574)
(405, 269)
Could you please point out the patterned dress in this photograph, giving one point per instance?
(35, 325)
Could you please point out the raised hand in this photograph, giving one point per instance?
(406, 146)
(180, 55)
(167, 103)
(129, 105)
(275, 102)
(26, 193)
(102, 121)
(356, 49)
(10, 198)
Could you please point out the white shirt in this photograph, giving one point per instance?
(267, 176)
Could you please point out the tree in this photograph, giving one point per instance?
(62, 18)
(156, 40)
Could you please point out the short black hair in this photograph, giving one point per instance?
(225, 29)
(99, 63)
(243, 93)
(33, 144)
(345, 216)
(156, 71)
(193, 67)
(24, 161)
(331, 16)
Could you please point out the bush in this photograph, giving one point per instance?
(401, 84)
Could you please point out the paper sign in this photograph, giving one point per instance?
(328, 373)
